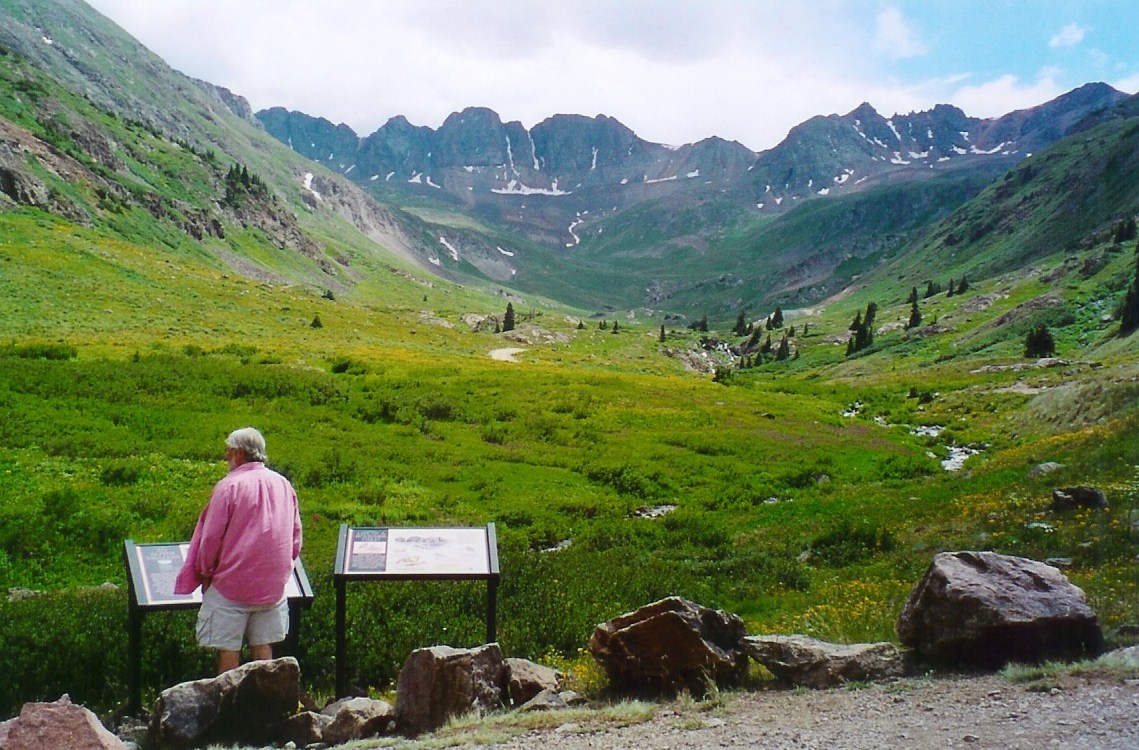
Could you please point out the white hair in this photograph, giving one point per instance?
(249, 440)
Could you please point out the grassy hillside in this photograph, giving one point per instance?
(149, 305)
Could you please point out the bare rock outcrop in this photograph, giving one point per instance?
(671, 645)
(985, 610)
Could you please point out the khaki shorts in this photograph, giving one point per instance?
(222, 624)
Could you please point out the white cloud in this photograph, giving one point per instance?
(1129, 84)
(675, 71)
(1069, 36)
(1007, 94)
(896, 37)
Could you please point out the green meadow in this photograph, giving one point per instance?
(806, 498)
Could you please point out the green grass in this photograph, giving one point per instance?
(128, 350)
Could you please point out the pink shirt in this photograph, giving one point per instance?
(246, 539)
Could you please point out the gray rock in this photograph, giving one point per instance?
(670, 645)
(812, 663)
(357, 718)
(550, 700)
(1121, 657)
(441, 682)
(1070, 498)
(245, 706)
(1044, 468)
(61, 725)
(525, 679)
(305, 728)
(986, 610)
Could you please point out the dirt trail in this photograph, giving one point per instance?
(506, 354)
(1073, 712)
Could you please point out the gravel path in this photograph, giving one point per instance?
(1098, 711)
(506, 354)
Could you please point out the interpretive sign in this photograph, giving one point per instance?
(416, 552)
(375, 553)
(151, 570)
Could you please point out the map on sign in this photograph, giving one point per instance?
(398, 552)
(157, 567)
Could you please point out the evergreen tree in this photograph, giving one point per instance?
(950, 292)
(915, 316)
(1129, 314)
(913, 295)
(581, 325)
(871, 313)
(963, 286)
(777, 318)
(857, 322)
(784, 350)
(316, 322)
(703, 326)
(741, 324)
(662, 333)
(766, 348)
(791, 331)
(508, 318)
(1039, 342)
(616, 327)
(1125, 231)
(931, 289)
(603, 325)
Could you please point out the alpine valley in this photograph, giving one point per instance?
(773, 383)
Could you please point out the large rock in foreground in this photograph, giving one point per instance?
(671, 645)
(808, 662)
(985, 610)
(61, 725)
(441, 682)
(244, 706)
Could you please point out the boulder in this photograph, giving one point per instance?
(441, 682)
(61, 725)
(549, 700)
(357, 718)
(244, 706)
(525, 679)
(305, 728)
(985, 610)
(1070, 498)
(807, 662)
(1044, 468)
(671, 645)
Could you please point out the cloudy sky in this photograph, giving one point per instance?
(675, 71)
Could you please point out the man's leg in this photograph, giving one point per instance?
(262, 652)
(228, 660)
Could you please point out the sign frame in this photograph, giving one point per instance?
(415, 553)
(144, 596)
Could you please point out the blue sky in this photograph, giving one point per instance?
(675, 71)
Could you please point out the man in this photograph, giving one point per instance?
(242, 554)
